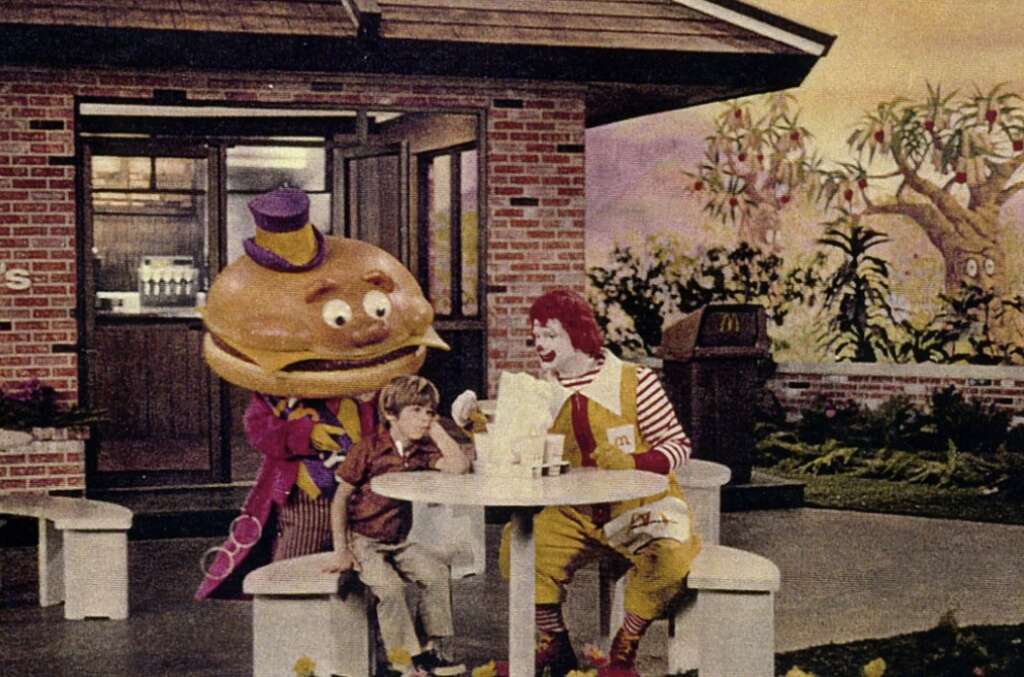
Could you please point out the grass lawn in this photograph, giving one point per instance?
(843, 492)
(979, 651)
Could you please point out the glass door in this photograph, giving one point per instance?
(373, 181)
(151, 244)
(449, 253)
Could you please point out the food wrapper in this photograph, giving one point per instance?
(524, 411)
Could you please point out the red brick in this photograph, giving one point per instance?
(49, 482)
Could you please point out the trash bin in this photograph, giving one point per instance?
(713, 373)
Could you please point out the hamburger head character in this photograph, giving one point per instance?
(313, 325)
(313, 316)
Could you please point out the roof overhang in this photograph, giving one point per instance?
(619, 82)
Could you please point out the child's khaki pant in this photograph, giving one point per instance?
(385, 569)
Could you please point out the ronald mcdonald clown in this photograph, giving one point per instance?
(614, 415)
(314, 326)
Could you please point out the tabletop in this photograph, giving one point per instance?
(576, 487)
(703, 474)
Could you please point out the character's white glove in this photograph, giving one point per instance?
(463, 407)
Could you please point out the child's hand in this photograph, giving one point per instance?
(341, 560)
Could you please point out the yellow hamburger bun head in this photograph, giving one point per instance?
(312, 316)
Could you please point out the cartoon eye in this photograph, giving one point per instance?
(336, 313)
(990, 267)
(971, 268)
(377, 305)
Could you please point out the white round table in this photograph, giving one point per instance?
(577, 487)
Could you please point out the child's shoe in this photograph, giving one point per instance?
(434, 664)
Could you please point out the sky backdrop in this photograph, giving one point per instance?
(884, 48)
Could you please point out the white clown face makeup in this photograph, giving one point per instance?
(554, 347)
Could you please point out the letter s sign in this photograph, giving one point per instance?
(16, 279)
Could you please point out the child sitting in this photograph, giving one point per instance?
(371, 531)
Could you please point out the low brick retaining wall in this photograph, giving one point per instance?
(54, 460)
(797, 385)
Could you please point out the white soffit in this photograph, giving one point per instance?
(754, 25)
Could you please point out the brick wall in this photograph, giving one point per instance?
(37, 234)
(796, 385)
(534, 178)
(537, 207)
(54, 460)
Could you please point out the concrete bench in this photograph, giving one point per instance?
(83, 552)
(734, 618)
(702, 483)
(297, 612)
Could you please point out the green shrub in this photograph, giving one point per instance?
(972, 426)
(955, 444)
(825, 419)
(832, 459)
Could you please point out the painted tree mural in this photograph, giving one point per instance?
(949, 163)
(755, 163)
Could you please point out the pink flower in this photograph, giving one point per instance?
(978, 672)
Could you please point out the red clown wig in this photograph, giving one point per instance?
(575, 315)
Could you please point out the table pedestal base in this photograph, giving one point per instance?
(521, 595)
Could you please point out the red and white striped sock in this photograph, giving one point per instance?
(549, 618)
(635, 625)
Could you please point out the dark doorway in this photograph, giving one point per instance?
(165, 211)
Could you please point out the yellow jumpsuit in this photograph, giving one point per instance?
(568, 537)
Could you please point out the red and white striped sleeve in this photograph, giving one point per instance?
(659, 425)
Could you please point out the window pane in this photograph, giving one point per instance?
(468, 191)
(148, 261)
(263, 168)
(120, 173)
(173, 173)
(439, 206)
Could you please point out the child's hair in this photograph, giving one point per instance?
(406, 391)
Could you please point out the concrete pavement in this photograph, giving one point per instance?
(845, 576)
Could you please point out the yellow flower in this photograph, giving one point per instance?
(486, 670)
(304, 667)
(875, 668)
(797, 672)
(400, 657)
(594, 655)
(581, 673)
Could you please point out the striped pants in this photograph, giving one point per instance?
(303, 526)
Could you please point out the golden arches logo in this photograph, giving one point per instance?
(729, 323)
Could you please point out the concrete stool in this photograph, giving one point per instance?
(297, 612)
(455, 533)
(735, 612)
(701, 482)
(83, 553)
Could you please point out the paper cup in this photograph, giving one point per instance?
(530, 449)
(553, 445)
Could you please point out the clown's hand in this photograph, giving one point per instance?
(610, 457)
(463, 408)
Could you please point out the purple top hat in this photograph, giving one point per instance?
(285, 241)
